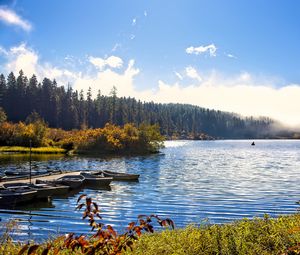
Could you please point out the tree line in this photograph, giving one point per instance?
(62, 107)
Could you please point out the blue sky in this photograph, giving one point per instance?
(239, 56)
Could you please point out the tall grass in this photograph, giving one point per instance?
(245, 237)
(39, 150)
(253, 237)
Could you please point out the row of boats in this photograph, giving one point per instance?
(14, 193)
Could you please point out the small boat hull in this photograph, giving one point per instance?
(43, 191)
(93, 180)
(71, 181)
(10, 198)
(121, 176)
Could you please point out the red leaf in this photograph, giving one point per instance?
(82, 241)
(79, 206)
(170, 223)
(142, 216)
(167, 222)
(155, 216)
(88, 201)
(111, 230)
(68, 240)
(96, 207)
(85, 214)
(138, 230)
(80, 197)
(131, 225)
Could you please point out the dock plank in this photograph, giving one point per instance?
(44, 178)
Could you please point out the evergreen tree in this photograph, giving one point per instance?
(2, 90)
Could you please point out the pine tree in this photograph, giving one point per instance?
(2, 90)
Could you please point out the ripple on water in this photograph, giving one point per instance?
(190, 182)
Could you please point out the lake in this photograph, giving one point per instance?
(189, 181)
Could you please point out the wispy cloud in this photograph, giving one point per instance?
(192, 73)
(230, 55)
(3, 51)
(116, 46)
(179, 76)
(112, 61)
(145, 13)
(211, 49)
(11, 18)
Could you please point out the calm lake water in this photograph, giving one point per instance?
(190, 182)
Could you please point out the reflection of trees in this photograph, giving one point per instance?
(21, 161)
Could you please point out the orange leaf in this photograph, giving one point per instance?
(131, 225)
(111, 230)
(138, 231)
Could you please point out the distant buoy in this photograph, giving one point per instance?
(253, 143)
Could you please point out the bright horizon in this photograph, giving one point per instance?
(233, 56)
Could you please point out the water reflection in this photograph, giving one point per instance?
(190, 181)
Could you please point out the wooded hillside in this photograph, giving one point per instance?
(62, 107)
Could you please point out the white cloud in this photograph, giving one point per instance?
(211, 49)
(105, 80)
(191, 72)
(22, 57)
(241, 94)
(112, 61)
(25, 58)
(145, 13)
(10, 17)
(132, 37)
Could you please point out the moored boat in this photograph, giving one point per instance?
(73, 181)
(11, 197)
(117, 176)
(91, 179)
(24, 172)
(43, 190)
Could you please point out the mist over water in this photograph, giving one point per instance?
(190, 182)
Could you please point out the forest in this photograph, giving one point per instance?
(62, 107)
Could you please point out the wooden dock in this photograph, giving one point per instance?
(48, 177)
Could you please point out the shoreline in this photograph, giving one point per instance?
(269, 236)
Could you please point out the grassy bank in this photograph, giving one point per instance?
(39, 150)
(258, 236)
(253, 237)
